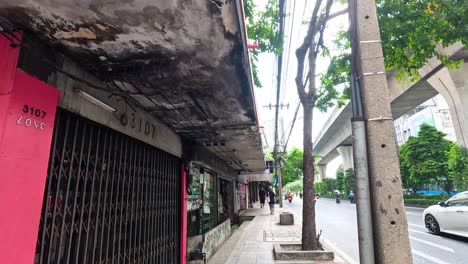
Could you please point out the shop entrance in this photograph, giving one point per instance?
(109, 198)
(225, 200)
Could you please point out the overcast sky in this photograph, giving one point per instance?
(297, 11)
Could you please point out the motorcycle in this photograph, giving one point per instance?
(353, 199)
(337, 200)
(290, 199)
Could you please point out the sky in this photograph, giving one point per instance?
(297, 12)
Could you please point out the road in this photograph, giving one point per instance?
(339, 226)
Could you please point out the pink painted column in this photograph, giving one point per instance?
(27, 115)
(183, 215)
(9, 54)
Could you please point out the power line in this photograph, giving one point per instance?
(290, 42)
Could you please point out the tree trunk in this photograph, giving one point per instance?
(309, 241)
(447, 187)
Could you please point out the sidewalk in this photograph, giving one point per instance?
(252, 242)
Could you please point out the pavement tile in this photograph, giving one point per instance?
(251, 248)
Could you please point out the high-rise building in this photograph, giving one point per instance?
(434, 112)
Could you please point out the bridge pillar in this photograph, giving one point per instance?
(453, 86)
(322, 172)
(346, 153)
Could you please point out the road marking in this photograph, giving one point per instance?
(415, 225)
(340, 252)
(431, 258)
(424, 233)
(432, 244)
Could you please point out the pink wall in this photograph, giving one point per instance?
(27, 114)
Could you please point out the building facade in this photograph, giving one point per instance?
(108, 113)
(433, 112)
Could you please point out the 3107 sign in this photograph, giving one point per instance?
(27, 121)
(137, 123)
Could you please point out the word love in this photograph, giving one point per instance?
(28, 122)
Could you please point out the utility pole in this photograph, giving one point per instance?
(276, 147)
(278, 88)
(389, 224)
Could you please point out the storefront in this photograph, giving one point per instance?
(225, 200)
(210, 200)
(108, 197)
(243, 196)
(79, 185)
(210, 206)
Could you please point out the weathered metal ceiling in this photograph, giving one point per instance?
(183, 60)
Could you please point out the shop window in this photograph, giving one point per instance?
(194, 201)
(209, 212)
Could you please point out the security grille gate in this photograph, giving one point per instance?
(109, 198)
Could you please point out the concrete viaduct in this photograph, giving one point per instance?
(335, 138)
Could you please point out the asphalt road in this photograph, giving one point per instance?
(339, 226)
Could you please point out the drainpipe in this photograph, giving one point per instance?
(183, 213)
(361, 174)
(363, 203)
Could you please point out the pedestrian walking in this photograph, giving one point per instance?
(271, 197)
(262, 195)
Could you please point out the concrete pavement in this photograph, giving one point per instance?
(253, 241)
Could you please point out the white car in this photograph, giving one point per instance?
(450, 216)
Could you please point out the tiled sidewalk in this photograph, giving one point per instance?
(253, 242)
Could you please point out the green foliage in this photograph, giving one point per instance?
(334, 87)
(412, 32)
(293, 187)
(263, 29)
(458, 167)
(291, 166)
(340, 179)
(319, 187)
(409, 180)
(424, 159)
(425, 202)
(440, 197)
(349, 181)
(421, 199)
(329, 185)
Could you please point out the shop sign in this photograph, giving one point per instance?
(135, 122)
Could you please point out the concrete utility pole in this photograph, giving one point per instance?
(276, 158)
(280, 185)
(390, 229)
(278, 88)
